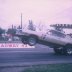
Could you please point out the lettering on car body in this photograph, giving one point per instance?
(43, 36)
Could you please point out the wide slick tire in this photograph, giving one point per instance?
(68, 49)
(57, 51)
(65, 50)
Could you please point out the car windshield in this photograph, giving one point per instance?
(57, 33)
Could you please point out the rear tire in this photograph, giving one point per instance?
(59, 51)
(68, 49)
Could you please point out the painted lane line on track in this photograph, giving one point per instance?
(22, 52)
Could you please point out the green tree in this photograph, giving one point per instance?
(31, 26)
(2, 31)
(11, 31)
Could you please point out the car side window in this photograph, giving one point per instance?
(61, 35)
(56, 33)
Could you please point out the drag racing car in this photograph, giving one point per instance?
(59, 41)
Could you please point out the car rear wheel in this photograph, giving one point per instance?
(68, 49)
(32, 41)
(59, 50)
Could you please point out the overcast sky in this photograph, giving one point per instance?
(44, 11)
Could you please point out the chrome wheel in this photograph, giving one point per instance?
(32, 41)
(58, 50)
(69, 51)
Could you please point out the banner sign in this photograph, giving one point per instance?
(15, 45)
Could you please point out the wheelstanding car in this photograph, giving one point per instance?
(59, 41)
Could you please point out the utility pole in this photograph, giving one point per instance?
(12, 26)
(21, 20)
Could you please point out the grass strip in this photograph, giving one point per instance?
(50, 68)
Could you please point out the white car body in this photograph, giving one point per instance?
(61, 42)
(48, 36)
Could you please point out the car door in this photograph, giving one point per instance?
(55, 37)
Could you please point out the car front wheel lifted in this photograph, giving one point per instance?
(32, 40)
